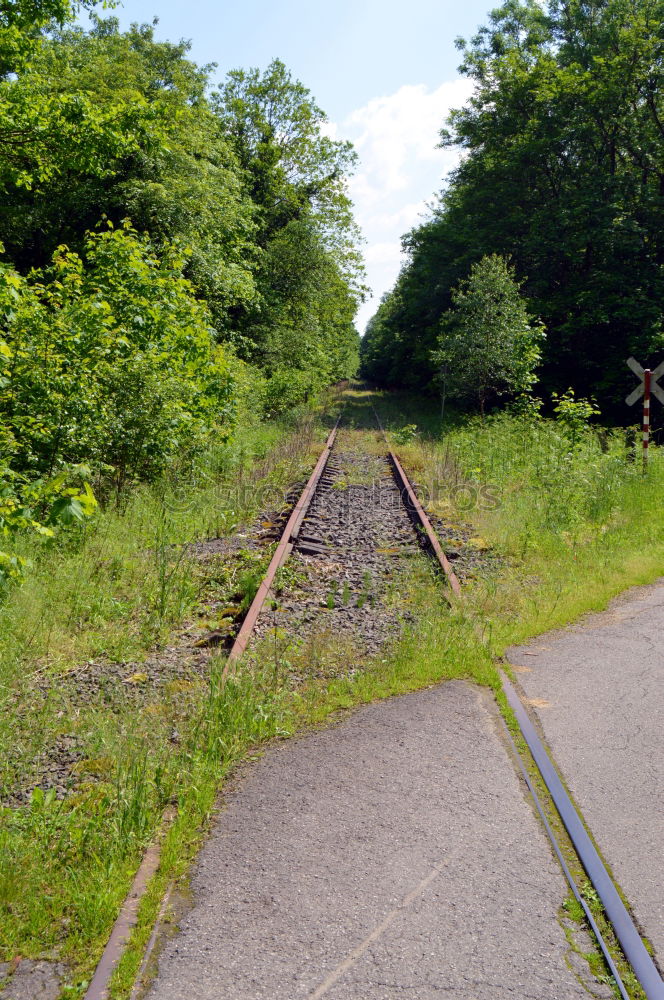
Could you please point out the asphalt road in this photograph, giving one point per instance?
(391, 855)
(598, 691)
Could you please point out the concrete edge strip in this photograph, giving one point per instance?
(149, 948)
(128, 916)
(630, 940)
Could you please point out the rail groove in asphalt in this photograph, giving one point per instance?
(597, 690)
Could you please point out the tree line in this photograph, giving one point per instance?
(169, 251)
(562, 177)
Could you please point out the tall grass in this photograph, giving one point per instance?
(114, 593)
(574, 515)
(545, 481)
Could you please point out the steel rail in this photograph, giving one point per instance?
(568, 875)
(414, 506)
(630, 940)
(281, 553)
(626, 932)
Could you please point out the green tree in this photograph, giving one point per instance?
(562, 171)
(292, 166)
(109, 359)
(309, 273)
(41, 132)
(22, 23)
(223, 220)
(174, 174)
(488, 344)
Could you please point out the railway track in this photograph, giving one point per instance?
(296, 536)
(306, 533)
(311, 535)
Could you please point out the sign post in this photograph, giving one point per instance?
(647, 378)
(647, 389)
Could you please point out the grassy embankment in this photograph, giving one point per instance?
(573, 525)
(107, 604)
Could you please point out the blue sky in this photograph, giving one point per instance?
(384, 71)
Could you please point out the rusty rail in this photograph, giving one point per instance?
(417, 511)
(281, 553)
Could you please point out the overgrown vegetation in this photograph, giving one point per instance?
(100, 688)
(562, 173)
(567, 505)
(567, 515)
(557, 560)
(179, 274)
(169, 253)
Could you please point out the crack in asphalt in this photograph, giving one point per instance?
(378, 931)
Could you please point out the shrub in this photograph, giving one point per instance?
(108, 358)
(288, 388)
(38, 507)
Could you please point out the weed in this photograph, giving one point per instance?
(331, 600)
(576, 525)
(111, 597)
(405, 434)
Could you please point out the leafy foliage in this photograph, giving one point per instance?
(564, 146)
(573, 414)
(165, 164)
(109, 358)
(169, 255)
(488, 344)
(309, 273)
(38, 507)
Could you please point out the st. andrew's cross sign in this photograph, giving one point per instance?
(648, 387)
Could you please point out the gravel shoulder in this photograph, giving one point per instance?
(597, 689)
(390, 855)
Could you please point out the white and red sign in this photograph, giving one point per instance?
(648, 387)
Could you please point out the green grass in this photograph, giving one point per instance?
(574, 525)
(114, 594)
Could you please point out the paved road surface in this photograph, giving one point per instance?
(390, 856)
(603, 682)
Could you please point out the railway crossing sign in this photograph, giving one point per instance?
(648, 387)
(656, 390)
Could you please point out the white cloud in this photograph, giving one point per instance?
(393, 132)
(382, 253)
(399, 172)
(405, 217)
(330, 130)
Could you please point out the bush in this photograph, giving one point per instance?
(109, 359)
(38, 508)
(288, 388)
